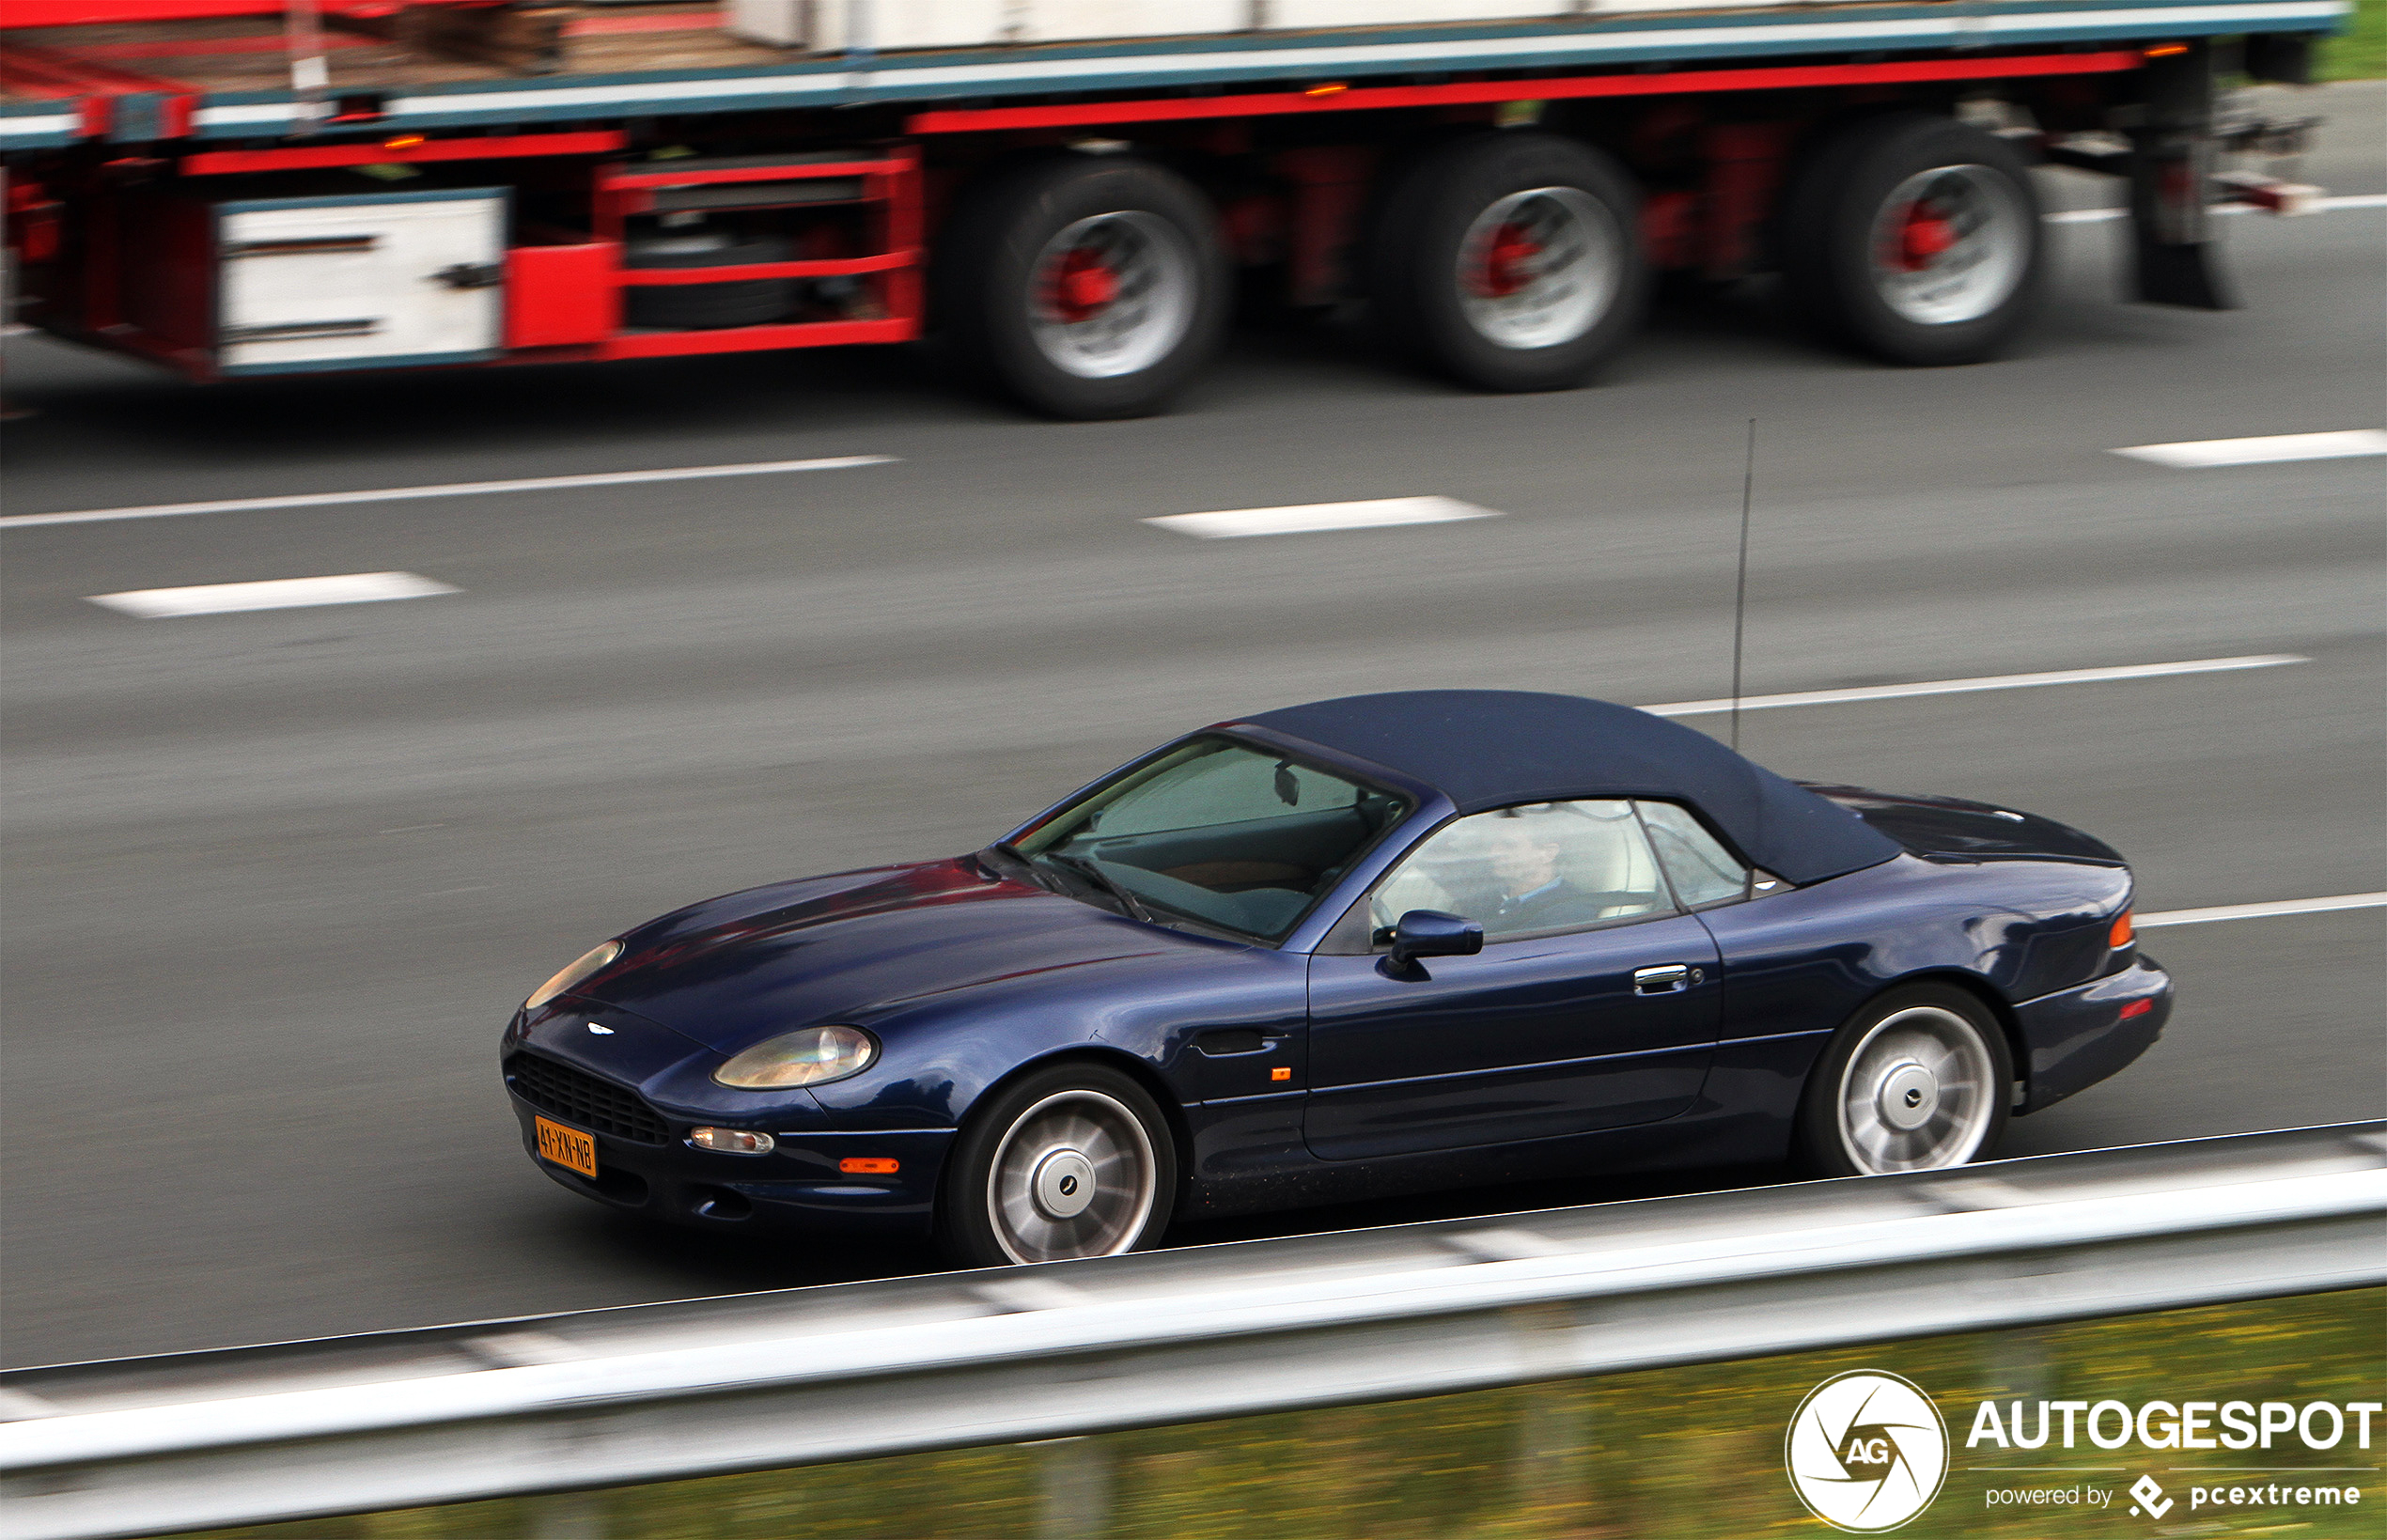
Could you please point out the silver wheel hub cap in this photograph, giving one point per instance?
(1112, 294)
(1908, 1096)
(1950, 244)
(1540, 268)
(1919, 1092)
(1063, 1185)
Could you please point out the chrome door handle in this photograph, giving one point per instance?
(1669, 979)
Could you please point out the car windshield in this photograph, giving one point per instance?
(1217, 831)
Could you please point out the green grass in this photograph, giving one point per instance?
(1691, 1454)
(2359, 51)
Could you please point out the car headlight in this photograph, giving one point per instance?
(814, 1056)
(573, 971)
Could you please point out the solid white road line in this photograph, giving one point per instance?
(1233, 523)
(2260, 912)
(2098, 216)
(453, 489)
(278, 594)
(1966, 686)
(2350, 444)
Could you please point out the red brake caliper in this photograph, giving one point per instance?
(1083, 285)
(1924, 236)
(1505, 271)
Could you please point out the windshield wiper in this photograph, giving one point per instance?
(1084, 867)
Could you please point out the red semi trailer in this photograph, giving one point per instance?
(1069, 192)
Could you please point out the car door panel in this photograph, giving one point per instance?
(1531, 1039)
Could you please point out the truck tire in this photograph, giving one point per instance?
(1510, 261)
(1082, 287)
(1913, 238)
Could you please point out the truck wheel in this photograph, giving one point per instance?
(1510, 261)
(1920, 1079)
(1071, 1161)
(1913, 238)
(1084, 287)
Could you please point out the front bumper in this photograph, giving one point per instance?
(2077, 1037)
(795, 1190)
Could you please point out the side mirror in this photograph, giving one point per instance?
(1430, 933)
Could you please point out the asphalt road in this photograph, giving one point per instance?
(274, 880)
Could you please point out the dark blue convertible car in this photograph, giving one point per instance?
(1365, 946)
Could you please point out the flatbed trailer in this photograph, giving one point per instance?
(1070, 195)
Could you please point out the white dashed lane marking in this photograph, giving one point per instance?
(1308, 518)
(451, 489)
(1966, 686)
(2260, 912)
(277, 594)
(2272, 449)
(2099, 216)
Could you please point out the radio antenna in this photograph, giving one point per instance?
(1740, 578)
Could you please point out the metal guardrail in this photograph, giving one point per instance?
(802, 1376)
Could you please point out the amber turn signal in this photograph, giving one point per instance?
(1280, 1073)
(869, 1165)
(2123, 933)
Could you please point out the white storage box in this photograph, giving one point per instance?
(376, 277)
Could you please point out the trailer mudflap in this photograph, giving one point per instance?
(2176, 260)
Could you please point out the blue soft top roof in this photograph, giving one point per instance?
(1493, 748)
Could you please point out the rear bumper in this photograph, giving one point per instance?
(2077, 1037)
(794, 1191)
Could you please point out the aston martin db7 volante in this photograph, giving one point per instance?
(1365, 946)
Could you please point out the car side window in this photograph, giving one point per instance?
(1527, 870)
(1702, 870)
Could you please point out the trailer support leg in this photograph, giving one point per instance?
(2171, 174)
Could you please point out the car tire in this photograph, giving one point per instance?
(1919, 1079)
(1913, 238)
(1509, 262)
(1082, 287)
(1067, 1163)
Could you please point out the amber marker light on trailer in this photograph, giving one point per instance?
(1332, 89)
(869, 1165)
(2123, 933)
(731, 1141)
(2165, 51)
(404, 141)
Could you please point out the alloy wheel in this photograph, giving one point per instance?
(1075, 1176)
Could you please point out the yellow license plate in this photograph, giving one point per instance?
(568, 1147)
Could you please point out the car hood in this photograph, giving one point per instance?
(856, 946)
(1950, 826)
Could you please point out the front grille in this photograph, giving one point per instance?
(585, 1100)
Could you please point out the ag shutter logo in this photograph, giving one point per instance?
(1866, 1451)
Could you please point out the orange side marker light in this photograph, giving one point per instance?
(2123, 933)
(1280, 1073)
(869, 1165)
(1336, 88)
(404, 141)
(2165, 51)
